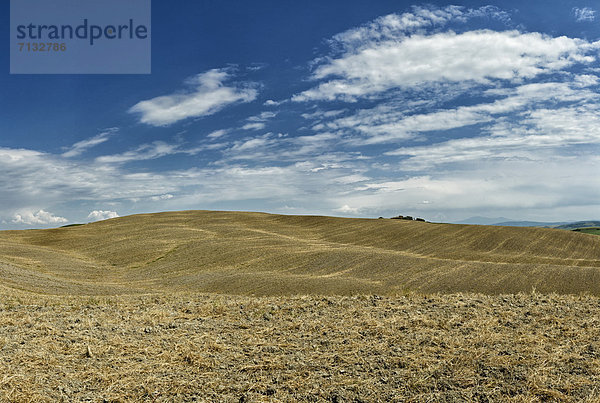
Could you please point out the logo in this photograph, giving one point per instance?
(80, 37)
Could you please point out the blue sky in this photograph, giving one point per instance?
(347, 108)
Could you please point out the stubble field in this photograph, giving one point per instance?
(236, 307)
(438, 348)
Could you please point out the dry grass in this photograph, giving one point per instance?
(158, 308)
(264, 254)
(523, 348)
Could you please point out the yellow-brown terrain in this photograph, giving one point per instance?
(238, 307)
(265, 254)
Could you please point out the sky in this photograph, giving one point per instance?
(347, 108)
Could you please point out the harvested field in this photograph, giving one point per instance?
(267, 254)
(523, 348)
(237, 307)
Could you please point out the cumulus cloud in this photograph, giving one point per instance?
(40, 217)
(586, 80)
(206, 95)
(345, 209)
(270, 102)
(30, 178)
(584, 14)
(526, 104)
(476, 56)
(98, 215)
(406, 51)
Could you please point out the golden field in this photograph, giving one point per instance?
(264, 254)
(237, 307)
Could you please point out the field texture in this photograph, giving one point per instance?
(438, 348)
(264, 254)
(249, 307)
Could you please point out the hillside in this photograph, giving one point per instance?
(588, 230)
(580, 224)
(265, 254)
(133, 309)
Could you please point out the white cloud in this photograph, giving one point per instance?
(389, 122)
(263, 116)
(477, 57)
(322, 182)
(294, 183)
(40, 217)
(117, 185)
(280, 147)
(405, 127)
(584, 14)
(541, 134)
(586, 80)
(81, 146)
(394, 26)
(525, 105)
(217, 133)
(98, 215)
(253, 143)
(258, 122)
(354, 178)
(254, 126)
(30, 178)
(162, 197)
(345, 209)
(409, 51)
(526, 188)
(155, 150)
(144, 152)
(17, 156)
(207, 96)
(319, 114)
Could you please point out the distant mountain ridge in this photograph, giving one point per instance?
(532, 224)
(505, 222)
(478, 220)
(580, 224)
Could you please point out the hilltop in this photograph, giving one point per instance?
(267, 254)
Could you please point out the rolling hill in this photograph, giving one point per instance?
(133, 309)
(580, 224)
(266, 254)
